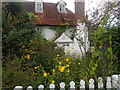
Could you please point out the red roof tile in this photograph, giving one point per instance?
(51, 15)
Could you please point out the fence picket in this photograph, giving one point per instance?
(72, 85)
(62, 86)
(52, 86)
(82, 85)
(100, 83)
(91, 85)
(108, 83)
(114, 81)
(40, 87)
(29, 88)
(18, 88)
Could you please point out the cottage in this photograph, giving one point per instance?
(55, 15)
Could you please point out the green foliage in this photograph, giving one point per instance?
(115, 37)
(60, 29)
(15, 72)
(102, 54)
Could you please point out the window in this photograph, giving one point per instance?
(61, 6)
(39, 7)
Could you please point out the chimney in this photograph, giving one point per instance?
(80, 10)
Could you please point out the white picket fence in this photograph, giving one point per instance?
(112, 82)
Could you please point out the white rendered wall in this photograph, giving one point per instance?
(48, 33)
(74, 47)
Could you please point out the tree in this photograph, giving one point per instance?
(18, 29)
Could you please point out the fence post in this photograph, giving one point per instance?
(52, 86)
(40, 87)
(62, 86)
(108, 83)
(29, 88)
(82, 85)
(72, 85)
(91, 85)
(100, 83)
(18, 88)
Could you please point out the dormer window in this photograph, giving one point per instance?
(39, 6)
(61, 6)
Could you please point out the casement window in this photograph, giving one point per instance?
(39, 7)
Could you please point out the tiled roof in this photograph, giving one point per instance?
(51, 15)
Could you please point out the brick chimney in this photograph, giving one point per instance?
(80, 10)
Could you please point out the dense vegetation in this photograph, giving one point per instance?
(29, 59)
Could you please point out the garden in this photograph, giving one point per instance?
(29, 59)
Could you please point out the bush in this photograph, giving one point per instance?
(15, 72)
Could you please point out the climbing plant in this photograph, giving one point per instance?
(60, 29)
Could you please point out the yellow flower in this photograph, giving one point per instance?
(59, 66)
(58, 55)
(68, 65)
(68, 71)
(67, 59)
(28, 56)
(44, 74)
(36, 67)
(53, 70)
(60, 62)
(72, 48)
(53, 81)
(62, 68)
(78, 63)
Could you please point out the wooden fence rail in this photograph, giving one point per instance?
(112, 82)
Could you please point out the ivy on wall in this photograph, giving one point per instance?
(60, 29)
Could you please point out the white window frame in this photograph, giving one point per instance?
(61, 8)
(39, 7)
